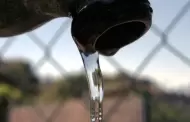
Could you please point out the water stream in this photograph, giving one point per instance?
(95, 81)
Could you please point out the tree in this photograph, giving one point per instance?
(17, 80)
(19, 74)
(73, 86)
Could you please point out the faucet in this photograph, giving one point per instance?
(108, 25)
(104, 26)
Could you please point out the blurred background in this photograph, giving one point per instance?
(43, 80)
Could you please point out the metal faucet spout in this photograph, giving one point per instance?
(106, 27)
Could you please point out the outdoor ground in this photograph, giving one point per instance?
(74, 111)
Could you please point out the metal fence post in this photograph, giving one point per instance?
(4, 109)
(147, 106)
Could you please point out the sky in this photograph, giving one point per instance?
(168, 70)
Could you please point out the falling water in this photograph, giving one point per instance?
(95, 81)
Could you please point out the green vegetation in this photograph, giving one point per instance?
(10, 92)
(166, 112)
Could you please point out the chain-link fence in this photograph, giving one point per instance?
(133, 101)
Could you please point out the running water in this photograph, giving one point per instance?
(95, 81)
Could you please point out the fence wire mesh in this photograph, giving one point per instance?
(134, 103)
